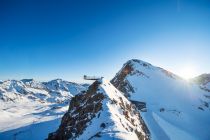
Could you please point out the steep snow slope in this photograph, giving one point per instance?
(175, 109)
(27, 106)
(203, 81)
(101, 113)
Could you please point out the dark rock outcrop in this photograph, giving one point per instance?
(97, 101)
(202, 81)
(120, 81)
(82, 109)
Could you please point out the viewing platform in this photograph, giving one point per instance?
(92, 77)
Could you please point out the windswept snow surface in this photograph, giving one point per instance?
(31, 109)
(176, 109)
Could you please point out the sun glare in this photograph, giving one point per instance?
(187, 72)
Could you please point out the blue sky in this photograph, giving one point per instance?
(67, 39)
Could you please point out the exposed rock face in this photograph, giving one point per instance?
(203, 80)
(168, 104)
(82, 109)
(28, 106)
(101, 112)
(120, 81)
(140, 105)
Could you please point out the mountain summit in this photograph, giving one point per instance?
(172, 107)
(101, 113)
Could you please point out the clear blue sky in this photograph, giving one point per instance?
(67, 39)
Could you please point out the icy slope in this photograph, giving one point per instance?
(101, 113)
(175, 109)
(27, 106)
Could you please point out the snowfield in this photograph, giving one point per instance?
(175, 109)
(31, 109)
(141, 102)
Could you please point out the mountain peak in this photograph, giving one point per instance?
(141, 69)
(168, 101)
(131, 67)
(139, 62)
(102, 111)
(58, 80)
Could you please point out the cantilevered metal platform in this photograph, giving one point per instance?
(92, 77)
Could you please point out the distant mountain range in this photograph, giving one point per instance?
(55, 91)
(32, 109)
(141, 102)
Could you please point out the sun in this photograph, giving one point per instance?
(187, 72)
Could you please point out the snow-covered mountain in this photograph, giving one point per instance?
(53, 91)
(28, 107)
(203, 80)
(172, 108)
(101, 113)
(141, 102)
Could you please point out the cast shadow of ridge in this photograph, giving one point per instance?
(35, 131)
